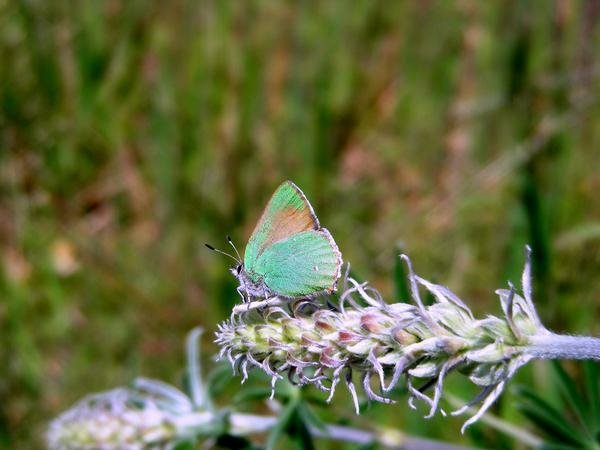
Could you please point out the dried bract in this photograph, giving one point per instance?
(148, 415)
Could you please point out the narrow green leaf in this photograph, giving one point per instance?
(282, 424)
(547, 417)
(185, 445)
(400, 280)
(309, 416)
(218, 378)
(551, 446)
(299, 431)
(590, 376)
(570, 393)
(369, 446)
(253, 393)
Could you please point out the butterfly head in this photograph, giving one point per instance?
(237, 270)
(250, 286)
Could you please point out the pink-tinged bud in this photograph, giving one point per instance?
(348, 337)
(371, 323)
(324, 326)
(404, 338)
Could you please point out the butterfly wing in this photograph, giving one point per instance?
(305, 263)
(287, 213)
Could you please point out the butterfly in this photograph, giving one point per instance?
(288, 254)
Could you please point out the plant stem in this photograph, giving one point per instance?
(561, 346)
(243, 424)
(386, 438)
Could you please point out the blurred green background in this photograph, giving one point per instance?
(131, 132)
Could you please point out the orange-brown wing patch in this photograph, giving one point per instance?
(287, 222)
(287, 213)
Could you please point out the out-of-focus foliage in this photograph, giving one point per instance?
(131, 132)
(570, 417)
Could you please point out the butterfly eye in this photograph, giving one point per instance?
(238, 269)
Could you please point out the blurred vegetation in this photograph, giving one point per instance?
(131, 132)
(570, 418)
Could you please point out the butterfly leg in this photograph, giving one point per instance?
(240, 290)
(247, 298)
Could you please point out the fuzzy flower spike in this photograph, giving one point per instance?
(148, 414)
(364, 338)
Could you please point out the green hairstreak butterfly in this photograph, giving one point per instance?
(288, 254)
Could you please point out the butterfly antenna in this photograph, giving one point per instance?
(234, 248)
(210, 247)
